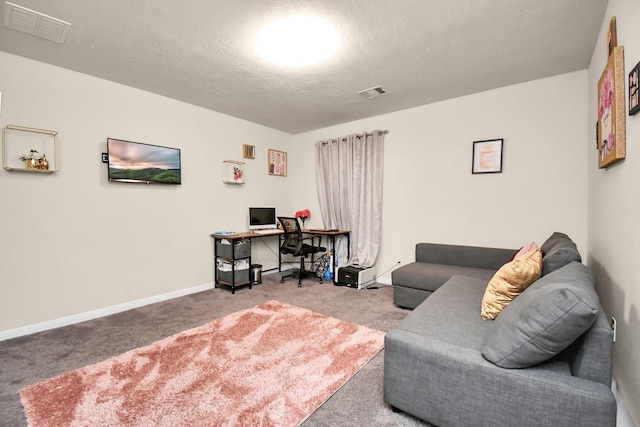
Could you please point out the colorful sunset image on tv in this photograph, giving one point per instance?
(137, 162)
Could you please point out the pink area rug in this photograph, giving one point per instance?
(271, 365)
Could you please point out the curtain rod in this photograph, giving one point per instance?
(358, 135)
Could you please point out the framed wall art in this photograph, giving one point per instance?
(487, 156)
(248, 151)
(612, 36)
(634, 105)
(277, 162)
(611, 111)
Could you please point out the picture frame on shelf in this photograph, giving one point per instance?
(634, 104)
(611, 110)
(487, 156)
(277, 162)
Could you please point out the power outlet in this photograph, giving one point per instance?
(613, 326)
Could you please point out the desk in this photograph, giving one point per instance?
(332, 235)
(314, 232)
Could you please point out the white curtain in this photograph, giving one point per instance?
(349, 180)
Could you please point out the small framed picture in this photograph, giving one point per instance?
(248, 151)
(487, 156)
(277, 162)
(634, 105)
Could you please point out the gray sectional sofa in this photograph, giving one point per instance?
(544, 361)
(436, 263)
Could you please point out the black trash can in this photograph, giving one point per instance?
(256, 274)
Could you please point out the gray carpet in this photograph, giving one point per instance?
(29, 359)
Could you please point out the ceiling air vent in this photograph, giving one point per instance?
(31, 22)
(373, 92)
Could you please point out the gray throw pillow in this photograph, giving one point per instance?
(544, 320)
(557, 251)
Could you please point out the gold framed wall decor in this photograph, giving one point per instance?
(277, 162)
(248, 151)
(612, 36)
(611, 110)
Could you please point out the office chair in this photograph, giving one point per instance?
(293, 244)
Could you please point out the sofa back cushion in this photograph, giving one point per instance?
(557, 251)
(544, 320)
(467, 256)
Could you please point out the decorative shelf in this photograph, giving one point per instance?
(232, 172)
(24, 139)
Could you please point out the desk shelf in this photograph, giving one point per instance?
(229, 253)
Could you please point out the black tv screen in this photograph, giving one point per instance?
(137, 162)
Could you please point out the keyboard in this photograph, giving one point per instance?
(265, 231)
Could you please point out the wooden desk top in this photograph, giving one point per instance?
(323, 232)
(246, 235)
(252, 235)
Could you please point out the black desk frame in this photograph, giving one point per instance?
(313, 232)
(332, 235)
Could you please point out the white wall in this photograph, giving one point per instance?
(614, 210)
(72, 242)
(100, 244)
(430, 194)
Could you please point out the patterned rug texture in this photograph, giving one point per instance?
(271, 365)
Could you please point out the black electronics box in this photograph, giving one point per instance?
(355, 277)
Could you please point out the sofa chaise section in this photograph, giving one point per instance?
(436, 263)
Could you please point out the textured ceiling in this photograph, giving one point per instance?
(420, 51)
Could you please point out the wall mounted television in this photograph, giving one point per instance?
(262, 218)
(143, 163)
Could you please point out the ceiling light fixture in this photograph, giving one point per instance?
(297, 41)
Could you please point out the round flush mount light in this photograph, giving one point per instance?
(297, 41)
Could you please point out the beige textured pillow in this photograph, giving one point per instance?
(508, 282)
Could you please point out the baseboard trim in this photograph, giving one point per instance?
(94, 314)
(623, 419)
(385, 280)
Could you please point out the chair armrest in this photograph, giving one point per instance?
(313, 238)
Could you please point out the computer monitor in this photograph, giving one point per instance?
(261, 218)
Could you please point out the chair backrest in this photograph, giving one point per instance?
(292, 240)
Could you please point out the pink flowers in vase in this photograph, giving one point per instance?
(303, 215)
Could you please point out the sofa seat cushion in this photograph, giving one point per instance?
(429, 277)
(544, 320)
(450, 315)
